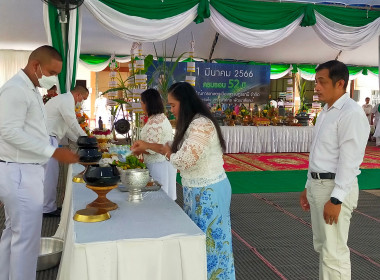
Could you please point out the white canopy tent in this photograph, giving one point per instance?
(22, 28)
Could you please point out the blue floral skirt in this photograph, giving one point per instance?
(209, 208)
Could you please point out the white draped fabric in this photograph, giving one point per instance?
(154, 232)
(137, 28)
(280, 75)
(267, 139)
(343, 37)
(250, 38)
(306, 75)
(11, 62)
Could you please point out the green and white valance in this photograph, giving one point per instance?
(143, 21)
(66, 41)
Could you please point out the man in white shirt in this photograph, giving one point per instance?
(367, 109)
(331, 193)
(24, 147)
(61, 121)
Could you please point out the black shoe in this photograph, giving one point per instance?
(56, 213)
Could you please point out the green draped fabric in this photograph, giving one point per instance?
(273, 15)
(203, 11)
(57, 43)
(348, 17)
(278, 68)
(355, 70)
(259, 15)
(374, 70)
(93, 59)
(307, 68)
(153, 9)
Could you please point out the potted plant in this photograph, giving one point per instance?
(302, 116)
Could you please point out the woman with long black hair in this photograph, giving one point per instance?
(197, 152)
(158, 130)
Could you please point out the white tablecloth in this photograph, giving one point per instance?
(267, 139)
(150, 240)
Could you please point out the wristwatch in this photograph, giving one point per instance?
(335, 201)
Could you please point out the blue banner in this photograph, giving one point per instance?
(223, 83)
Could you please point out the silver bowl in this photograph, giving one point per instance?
(50, 253)
(134, 180)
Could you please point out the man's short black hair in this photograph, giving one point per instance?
(337, 71)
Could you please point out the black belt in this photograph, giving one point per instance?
(315, 175)
(17, 162)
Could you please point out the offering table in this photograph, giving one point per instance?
(147, 240)
(267, 139)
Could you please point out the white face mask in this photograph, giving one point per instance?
(46, 81)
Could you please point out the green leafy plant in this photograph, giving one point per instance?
(163, 71)
(302, 91)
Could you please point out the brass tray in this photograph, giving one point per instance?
(156, 186)
(91, 215)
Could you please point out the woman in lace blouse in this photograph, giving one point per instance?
(197, 151)
(158, 130)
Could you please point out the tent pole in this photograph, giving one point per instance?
(213, 46)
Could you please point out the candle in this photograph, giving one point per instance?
(251, 112)
(259, 113)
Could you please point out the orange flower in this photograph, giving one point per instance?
(78, 115)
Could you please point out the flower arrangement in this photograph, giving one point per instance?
(243, 111)
(103, 137)
(82, 120)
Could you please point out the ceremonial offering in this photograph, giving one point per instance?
(101, 176)
(134, 180)
(150, 186)
(261, 121)
(87, 142)
(122, 151)
(88, 154)
(103, 138)
(100, 179)
(131, 162)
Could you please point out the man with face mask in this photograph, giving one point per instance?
(24, 148)
(61, 121)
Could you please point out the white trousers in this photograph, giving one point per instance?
(330, 241)
(164, 173)
(21, 191)
(51, 181)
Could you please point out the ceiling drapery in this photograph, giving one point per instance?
(249, 23)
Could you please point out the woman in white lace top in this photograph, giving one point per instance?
(158, 130)
(197, 152)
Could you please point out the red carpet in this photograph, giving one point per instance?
(287, 161)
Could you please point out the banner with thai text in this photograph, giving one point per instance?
(221, 83)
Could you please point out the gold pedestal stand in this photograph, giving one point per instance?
(102, 202)
(79, 177)
(91, 215)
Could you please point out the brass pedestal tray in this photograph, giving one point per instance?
(79, 177)
(91, 215)
(102, 202)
